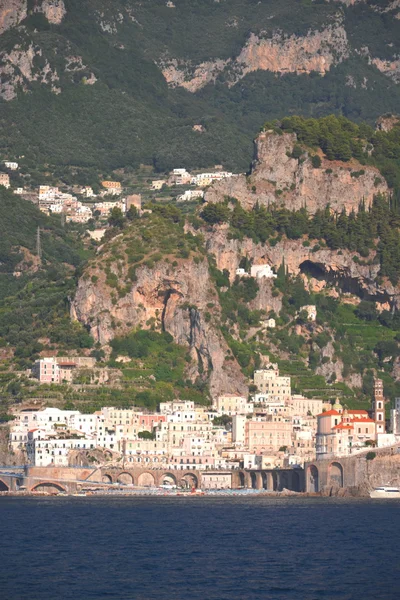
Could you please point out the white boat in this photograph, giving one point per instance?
(385, 491)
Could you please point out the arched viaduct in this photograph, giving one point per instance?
(71, 479)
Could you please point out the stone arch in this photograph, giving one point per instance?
(242, 479)
(146, 479)
(3, 486)
(335, 474)
(274, 481)
(296, 484)
(189, 481)
(49, 487)
(267, 481)
(168, 479)
(125, 478)
(106, 478)
(312, 479)
(253, 479)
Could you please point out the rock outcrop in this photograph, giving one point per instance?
(176, 299)
(53, 10)
(321, 267)
(13, 12)
(280, 53)
(19, 67)
(277, 178)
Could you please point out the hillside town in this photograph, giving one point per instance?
(273, 428)
(81, 204)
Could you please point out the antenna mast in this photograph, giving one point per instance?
(38, 245)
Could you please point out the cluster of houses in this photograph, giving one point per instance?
(183, 177)
(52, 201)
(273, 428)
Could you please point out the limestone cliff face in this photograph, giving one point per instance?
(279, 53)
(18, 69)
(317, 51)
(12, 12)
(321, 268)
(277, 178)
(176, 299)
(53, 10)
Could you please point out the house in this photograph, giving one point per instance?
(87, 192)
(158, 184)
(259, 271)
(190, 195)
(269, 323)
(13, 166)
(241, 272)
(311, 311)
(112, 187)
(180, 177)
(5, 180)
(231, 404)
(19, 191)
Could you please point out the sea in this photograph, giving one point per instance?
(199, 548)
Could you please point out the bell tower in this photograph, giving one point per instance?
(378, 407)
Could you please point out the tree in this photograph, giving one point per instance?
(146, 435)
(116, 218)
(214, 213)
(316, 161)
(366, 311)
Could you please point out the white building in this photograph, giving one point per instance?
(311, 311)
(259, 271)
(13, 166)
(395, 417)
(269, 382)
(190, 195)
(54, 452)
(238, 429)
(231, 404)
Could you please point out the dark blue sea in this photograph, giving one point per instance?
(199, 549)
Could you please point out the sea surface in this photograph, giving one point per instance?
(199, 548)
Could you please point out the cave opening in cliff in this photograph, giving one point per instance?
(312, 269)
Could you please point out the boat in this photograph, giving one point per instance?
(385, 491)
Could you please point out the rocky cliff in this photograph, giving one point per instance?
(13, 12)
(317, 51)
(175, 299)
(322, 268)
(277, 178)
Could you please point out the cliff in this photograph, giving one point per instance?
(277, 178)
(175, 299)
(317, 51)
(321, 269)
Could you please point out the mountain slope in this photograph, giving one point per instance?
(125, 82)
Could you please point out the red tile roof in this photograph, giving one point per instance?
(329, 413)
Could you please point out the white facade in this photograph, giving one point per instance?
(230, 404)
(259, 271)
(395, 417)
(190, 195)
(13, 166)
(238, 428)
(269, 382)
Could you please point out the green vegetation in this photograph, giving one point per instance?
(341, 139)
(34, 308)
(373, 229)
(130, 116)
